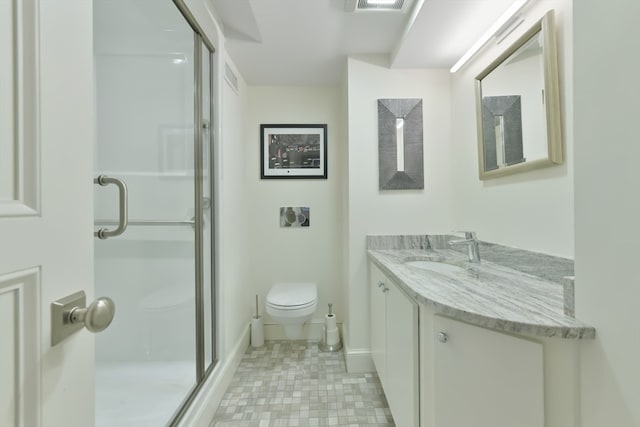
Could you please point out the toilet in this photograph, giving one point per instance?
(292, 304)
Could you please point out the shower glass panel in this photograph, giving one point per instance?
(146, 360)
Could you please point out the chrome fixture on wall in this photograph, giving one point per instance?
(473, 248)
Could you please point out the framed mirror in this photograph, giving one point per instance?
(518, 106)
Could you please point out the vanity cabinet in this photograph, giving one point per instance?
(483, 378)
(441, 372)
(394, 346)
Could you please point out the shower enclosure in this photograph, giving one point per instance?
(153, 100)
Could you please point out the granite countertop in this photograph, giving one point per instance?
(486, 294)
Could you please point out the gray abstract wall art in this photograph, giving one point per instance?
(400, 144)
(502, 131)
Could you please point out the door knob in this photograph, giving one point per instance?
(70, 314)
(97, 317)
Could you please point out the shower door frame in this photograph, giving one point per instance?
(202, 371)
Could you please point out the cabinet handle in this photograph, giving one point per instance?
(382, 286)
(443, 337)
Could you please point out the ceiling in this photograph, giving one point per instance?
(306, 42)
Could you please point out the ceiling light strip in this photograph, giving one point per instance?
(504, 18)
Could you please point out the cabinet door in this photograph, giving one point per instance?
(402, 357)
(486, 379)
(378, 316)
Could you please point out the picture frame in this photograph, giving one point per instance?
(400, 144)
(294, 217)
(297, 151)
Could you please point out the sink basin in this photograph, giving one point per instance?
(439, 267)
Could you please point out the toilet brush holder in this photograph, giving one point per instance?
(257, 328)
(330, 340)
(257, 332)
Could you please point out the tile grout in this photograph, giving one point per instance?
(292, 383)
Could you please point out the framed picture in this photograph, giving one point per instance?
(293, 151)
(400, 144)
(294, 216)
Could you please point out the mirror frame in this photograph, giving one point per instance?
(555, 148)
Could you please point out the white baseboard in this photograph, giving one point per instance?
(358, 360)
(204, 407)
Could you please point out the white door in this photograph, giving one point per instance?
(46, 209)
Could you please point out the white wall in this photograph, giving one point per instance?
(344, 200)
(607, 207)
(312, 254)
(533, 210)
(232, 232)
(371, 211)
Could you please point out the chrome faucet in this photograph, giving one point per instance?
(473, 248)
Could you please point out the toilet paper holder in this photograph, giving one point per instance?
(330, 340)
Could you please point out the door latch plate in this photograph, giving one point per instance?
(61, 326)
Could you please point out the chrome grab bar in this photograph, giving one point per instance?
(103, 233)
(150, 222)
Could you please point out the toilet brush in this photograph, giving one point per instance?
(257, 328)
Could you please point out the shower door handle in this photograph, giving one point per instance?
(104, 233)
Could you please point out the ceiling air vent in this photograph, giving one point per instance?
(363, 5)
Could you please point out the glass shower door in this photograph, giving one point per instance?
(146, 360)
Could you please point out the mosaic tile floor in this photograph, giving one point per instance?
(292, 383)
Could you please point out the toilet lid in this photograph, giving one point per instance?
(292, 294)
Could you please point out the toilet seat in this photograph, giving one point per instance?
(292, 296)
(291, 307)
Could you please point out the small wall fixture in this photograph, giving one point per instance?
(499, 25)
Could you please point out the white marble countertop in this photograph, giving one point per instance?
(485, 294)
